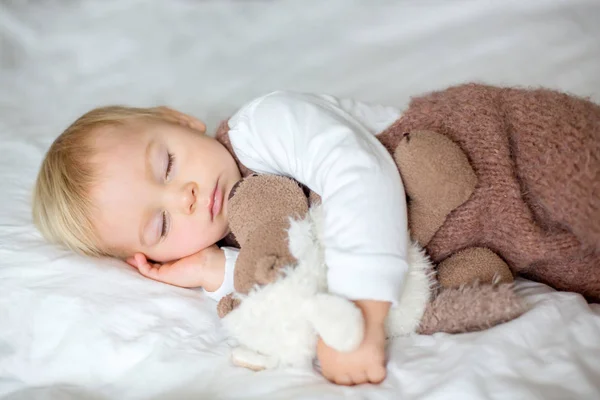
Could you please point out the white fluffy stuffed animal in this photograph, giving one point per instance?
(282, 305)
(278, 324)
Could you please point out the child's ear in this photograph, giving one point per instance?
(184, 119)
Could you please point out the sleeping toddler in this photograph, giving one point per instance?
(147, 185)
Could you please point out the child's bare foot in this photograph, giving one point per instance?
(367, 363)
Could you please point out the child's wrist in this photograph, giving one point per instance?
(375, 312)
(213, 269)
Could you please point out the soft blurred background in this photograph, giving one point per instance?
(59, 58)
(73, 328)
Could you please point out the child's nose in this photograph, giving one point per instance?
(187, 198)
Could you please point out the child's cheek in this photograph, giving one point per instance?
(189, 237)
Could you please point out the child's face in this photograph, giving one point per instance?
(162, 190)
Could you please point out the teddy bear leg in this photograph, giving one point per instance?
(474, 264)
(471, 308)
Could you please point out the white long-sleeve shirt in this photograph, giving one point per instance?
(328, 144)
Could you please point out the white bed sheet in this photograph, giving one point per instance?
(77, 328)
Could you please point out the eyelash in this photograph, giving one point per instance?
(165, 225)
(171, 159)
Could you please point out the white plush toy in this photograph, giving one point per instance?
(277, 325)
(282, 305)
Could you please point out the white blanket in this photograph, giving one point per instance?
(71, 327)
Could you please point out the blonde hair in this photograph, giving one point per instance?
(62, 207)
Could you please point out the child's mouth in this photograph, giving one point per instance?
(216, 202)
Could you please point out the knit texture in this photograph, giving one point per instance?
(536, 154)
(470, 309)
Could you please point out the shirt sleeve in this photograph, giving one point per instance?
(374, 117)
(226, 287)
(313, 140)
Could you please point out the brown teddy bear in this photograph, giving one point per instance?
(525, 199)
(281, 302)
(534, 188)
(437, 177)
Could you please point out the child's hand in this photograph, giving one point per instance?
(205, 268)
(367, 363)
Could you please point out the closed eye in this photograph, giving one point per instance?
(165, 225)
(170, 160)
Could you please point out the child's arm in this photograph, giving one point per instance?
(367, 363)
(315, 142)
(211, 269)
(312, 139)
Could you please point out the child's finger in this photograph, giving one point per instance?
(359, 377)
(131, 261)
(146, 270)
(376, 373)
(144, 266)
(344, 379)
(165, 273)
(169, 273)
(140, 258)
(329, 376)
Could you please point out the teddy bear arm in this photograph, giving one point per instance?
(435, 169)
(424, 222)
(437, 178)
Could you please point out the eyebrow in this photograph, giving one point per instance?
(148, 171)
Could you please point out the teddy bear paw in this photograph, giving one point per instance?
(226, 305)
(244, 357)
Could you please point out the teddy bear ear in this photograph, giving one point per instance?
(233, 189)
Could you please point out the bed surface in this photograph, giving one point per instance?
(76, 328)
